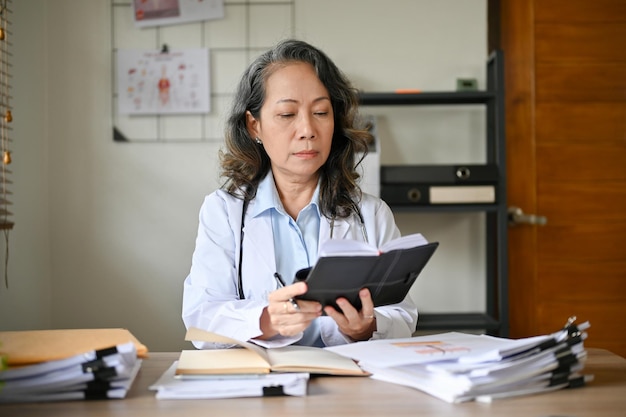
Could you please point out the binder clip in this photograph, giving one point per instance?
(574, 333)
(571, 328)
(165, 49)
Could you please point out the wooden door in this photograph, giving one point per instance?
(565, 77)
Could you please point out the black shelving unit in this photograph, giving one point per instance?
(495, 319)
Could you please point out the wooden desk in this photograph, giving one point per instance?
(353, 396)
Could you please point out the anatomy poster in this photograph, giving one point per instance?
(169, 12)
(158, 82)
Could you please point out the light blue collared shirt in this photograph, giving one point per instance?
(296, 241)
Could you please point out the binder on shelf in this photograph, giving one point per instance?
(440, 174)
(424, 194)
(439, 184)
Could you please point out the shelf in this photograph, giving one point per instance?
(426, 98)
(408, 190)
(457, 321)
(452, 208)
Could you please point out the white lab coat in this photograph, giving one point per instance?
(210, 295)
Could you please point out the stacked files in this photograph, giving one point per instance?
(241, 369)
(171, 386)
(458, 367)
(61, 365)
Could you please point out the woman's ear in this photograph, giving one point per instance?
(252, 125)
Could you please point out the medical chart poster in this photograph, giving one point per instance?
(156, 82)
(169, 12)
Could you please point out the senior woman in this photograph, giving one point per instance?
(292, 147)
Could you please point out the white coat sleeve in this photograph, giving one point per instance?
(210, 294)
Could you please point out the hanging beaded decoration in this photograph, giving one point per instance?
(5, 120)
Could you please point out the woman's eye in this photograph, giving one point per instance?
(286, 115)
(321, 113)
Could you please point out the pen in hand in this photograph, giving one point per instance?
(281, 284)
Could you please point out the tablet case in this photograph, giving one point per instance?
(389, 276)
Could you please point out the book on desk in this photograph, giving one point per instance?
(243, 369)
(248, 358)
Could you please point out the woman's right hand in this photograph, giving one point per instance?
(281, 317)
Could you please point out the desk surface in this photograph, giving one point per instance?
(353, 396)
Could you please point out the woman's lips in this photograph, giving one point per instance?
(306, 154)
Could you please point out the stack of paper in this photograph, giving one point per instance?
(458, 367)
(57, 365)
(206, 386)
(242, 369)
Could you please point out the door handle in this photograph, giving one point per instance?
(517, 217)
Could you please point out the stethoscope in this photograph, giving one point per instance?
(357, 212)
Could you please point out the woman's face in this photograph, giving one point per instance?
(296, 122)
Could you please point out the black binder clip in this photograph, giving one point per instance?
(273, 391)
(165, 49)
(571, 328)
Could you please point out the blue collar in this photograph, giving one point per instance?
(267, 197)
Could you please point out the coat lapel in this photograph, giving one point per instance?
(340, 229)
(258, 234)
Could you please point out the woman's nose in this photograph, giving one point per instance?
(306, 128)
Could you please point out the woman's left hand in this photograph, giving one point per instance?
(358, 325)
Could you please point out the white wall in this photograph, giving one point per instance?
(104, 231)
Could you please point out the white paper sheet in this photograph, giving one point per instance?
(168, 386)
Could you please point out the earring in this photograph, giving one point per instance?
(258, 141)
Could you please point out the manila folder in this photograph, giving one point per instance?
(28, 347)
